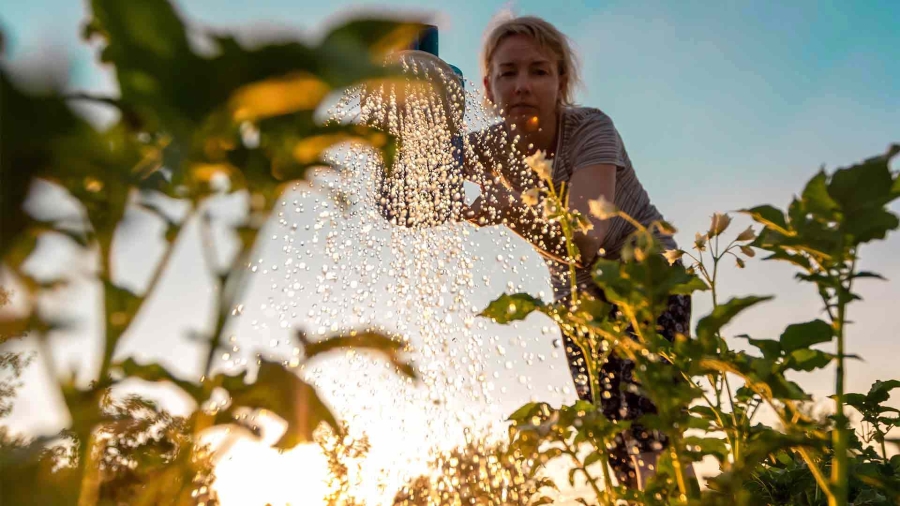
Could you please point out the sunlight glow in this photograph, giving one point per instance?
(252, 473)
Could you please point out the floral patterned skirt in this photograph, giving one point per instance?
(621, 398)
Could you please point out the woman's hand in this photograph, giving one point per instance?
(492, 206)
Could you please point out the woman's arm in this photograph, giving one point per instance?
(501, 204)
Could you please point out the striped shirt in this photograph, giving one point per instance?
(588, 137)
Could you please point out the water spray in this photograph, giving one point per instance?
(425, 110)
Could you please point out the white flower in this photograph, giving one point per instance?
(700, 241)
(602, 208)
(530, 197)
(673, 255)
(541, 166)
(719, 223)
(747, 235)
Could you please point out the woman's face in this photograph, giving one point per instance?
(524, 82)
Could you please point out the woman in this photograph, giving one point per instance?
(529, 74)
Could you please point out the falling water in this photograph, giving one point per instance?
(389, 250)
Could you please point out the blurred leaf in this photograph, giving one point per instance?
(280, 391)
(864, 185)
(805, 359)
(13, 328)
(804, 335)
(156, 373)
(378, 36)
(147, 42)
(770, 349)
(372, 341)
(508, 308)
(770, 216)
(278, 95)
(702, 446)
(593, 458)
(526, 411)
(867, 274)
(709, 326)
(880, 390)
(816, 198)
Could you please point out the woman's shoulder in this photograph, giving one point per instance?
(586, 117)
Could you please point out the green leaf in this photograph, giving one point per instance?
(868, 274)
(378, 36)
(370, 340)
(147, 43)
(867, 184)
(707, 446)
(280, 391)
(694, 284)
(356, 50)
(880, 390)
(572, 473)
(805, 359)
(594, 458)
(508, 308)
(770, 216)
(373, 341)
(525, 412)
(709, 326)
(804, 335)
(816, 199)
(550, 454)
(156, 373)
(858, 401)
(770, 349)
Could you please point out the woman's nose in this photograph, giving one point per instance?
(522, 86)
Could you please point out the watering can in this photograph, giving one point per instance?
(423, 187)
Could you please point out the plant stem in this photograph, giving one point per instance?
(816, 472)
(840, 436)
(676, 463)
(590, 479)
(110, 344)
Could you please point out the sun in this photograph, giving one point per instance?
(253, 473)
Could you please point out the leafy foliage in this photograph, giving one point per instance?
(191, 126)
(479, 472)
(689, 379)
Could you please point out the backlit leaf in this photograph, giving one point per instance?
(709, 326)
(804, 335)
(280, 391)
(372, 341)
(509, 308)
(770, 216)
(277, 96)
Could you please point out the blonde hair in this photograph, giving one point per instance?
(548, 37)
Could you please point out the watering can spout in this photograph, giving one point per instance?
(428, 41)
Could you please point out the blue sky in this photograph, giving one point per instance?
(721, 105)
(707, 95)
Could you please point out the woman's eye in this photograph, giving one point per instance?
(506, 74)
